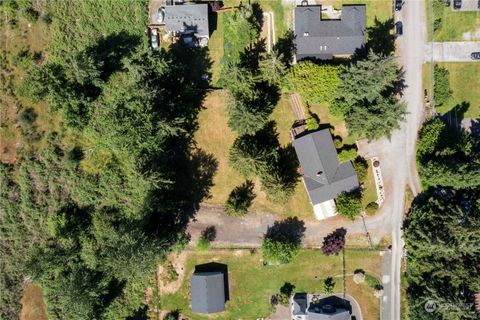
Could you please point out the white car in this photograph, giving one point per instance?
(160, 15)
(154, 38)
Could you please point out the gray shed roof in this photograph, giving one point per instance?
(207, 292)
(323, 175)
(323, 39)
(187, 18)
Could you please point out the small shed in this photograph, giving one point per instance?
(207, 292)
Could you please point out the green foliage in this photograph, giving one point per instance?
(442, 230)
(240, 199)
(240, 29)
(203, 244)
(361, 168)
(286, 291)
(446, 157)
(371, 208)
(338, 142)
(328, 285)
(315, 83)
(279, 251)
(372, 281)
(429, 136)
(170, 272)
(366, 97)
(442, 90)
(347, 155)
(349, 204)
(91, 212)
(261, 155)
(312, 123)
(31, 15)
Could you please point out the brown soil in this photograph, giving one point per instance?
(178, 261)
(33, 306)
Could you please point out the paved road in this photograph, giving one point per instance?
(451, 51)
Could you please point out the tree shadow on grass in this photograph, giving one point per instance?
(380, 37)
(286, 48)
(290, 228)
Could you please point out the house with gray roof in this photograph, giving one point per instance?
(305, 306)
(325, 39)
(189, 22)
(207, 291)
(323, 175)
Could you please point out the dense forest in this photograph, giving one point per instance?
(442, 231)
(93, 203)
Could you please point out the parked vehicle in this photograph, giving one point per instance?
(457, 4)
(475, 55)
(160, 15)
(154, 38)
(447, 3)
(398, 5)
(398, 28)
(478, 4)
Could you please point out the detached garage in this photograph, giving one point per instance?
(207, 292)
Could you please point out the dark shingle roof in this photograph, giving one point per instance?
(323, 39)
(207, 291)
(323, 175)
(187, 18)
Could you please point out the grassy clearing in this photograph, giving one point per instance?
(381, 10)
(215, 137)
(33, 306)
(464, 82)
(455, 25)
(251, 284)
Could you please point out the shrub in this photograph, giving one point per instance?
(371, 208)
(285, 293)
(338, 142)
(334, 242)
(315, 83)
(328, 285)
(203, 245)
(347, 155)
(349, 204)
(31, 15)
(312, 123)
(441, 90)
(240, 199)
(279, 250)
(372, 282)
(361, 168)
(170, 272)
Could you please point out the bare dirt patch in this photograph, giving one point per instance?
(165, 284)
(33, 306)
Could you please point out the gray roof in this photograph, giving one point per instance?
(187, 18)
(323, 175)
(327, 308)
(323, 39)
(207, 292)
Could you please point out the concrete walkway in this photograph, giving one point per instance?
(451, 51)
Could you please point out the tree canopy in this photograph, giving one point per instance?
(366, 97)
(91, 211)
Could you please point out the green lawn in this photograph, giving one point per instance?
(251, 284)
(454, 24)
(379, 9)
(464, 82)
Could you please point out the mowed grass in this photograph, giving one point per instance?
(465, 84)
(375, 9)
(456, 23)
(215, 137)
(33, 306)
(251, 284)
